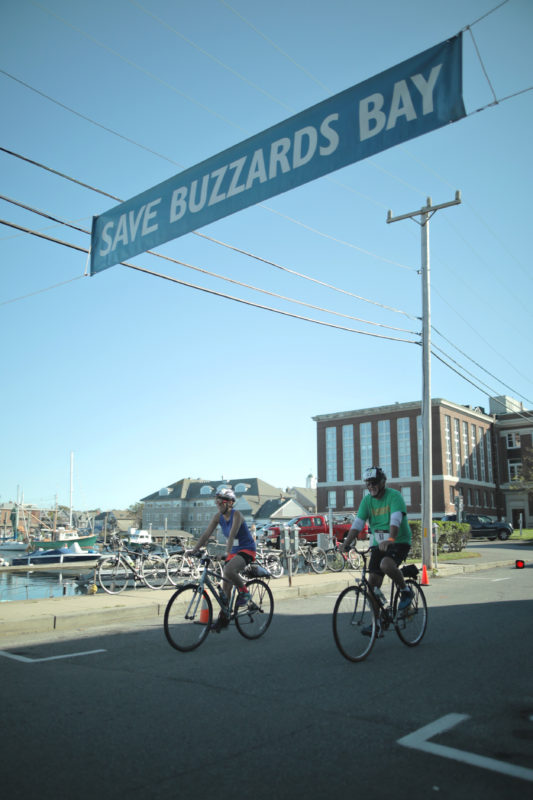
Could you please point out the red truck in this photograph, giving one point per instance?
(310, 526)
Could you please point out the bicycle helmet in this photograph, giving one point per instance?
(374, 474)
(226, 494)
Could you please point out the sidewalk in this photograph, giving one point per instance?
(84, 612)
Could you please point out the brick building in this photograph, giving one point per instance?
(513, 430)
(470, 453)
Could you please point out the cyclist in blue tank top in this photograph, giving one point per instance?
(240, 548)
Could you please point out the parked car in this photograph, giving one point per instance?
(483, 526)
(310, 526)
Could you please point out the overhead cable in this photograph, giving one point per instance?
(217, 241)
(88, 119)
(514, 391)
(216, 275)
(212, 291)
(525, 416)
(132, 63)
(209, 55)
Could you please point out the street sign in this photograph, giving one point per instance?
(408, 100)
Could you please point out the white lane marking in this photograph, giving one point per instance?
(27, 660)
(418, 741)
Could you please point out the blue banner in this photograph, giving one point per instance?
(408, 100)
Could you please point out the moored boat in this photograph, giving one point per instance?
(73, 554)
(61, 536)
(16, 545)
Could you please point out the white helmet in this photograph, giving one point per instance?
(226, 494)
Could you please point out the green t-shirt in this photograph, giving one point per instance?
(378, 514)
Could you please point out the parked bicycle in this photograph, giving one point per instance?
(269, 560)
(310, 555)
(336, 560)
(189, 612)
(182, 566)
(362, 615)
(115, 571)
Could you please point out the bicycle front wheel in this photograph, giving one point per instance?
(188, 618)
(354, 559)
(318, 560)
(113, 574)
(154, 571)
(411, 624)
(354, 623)
(335, 561)
(253, 620)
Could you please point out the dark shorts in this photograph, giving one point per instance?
(398, 552)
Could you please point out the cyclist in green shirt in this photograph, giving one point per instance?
(390, 538)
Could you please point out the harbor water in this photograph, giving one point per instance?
(36, 585)
(29, 586)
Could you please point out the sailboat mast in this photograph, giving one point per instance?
(71, 479)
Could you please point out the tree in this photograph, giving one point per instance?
(136, 511)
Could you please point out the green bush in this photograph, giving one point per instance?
(453, 536)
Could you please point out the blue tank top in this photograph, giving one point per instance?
(243, 539)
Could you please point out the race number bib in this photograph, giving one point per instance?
(381, 536)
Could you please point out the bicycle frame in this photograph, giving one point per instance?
(205, 582)
(385, 613)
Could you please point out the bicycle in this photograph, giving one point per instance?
(180, 566)
(335, 559)
(270, 561)
(314, 557)
(353, 558)
(361, 616)
(189, 612)
(114, 572)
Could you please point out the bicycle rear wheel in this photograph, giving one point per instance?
(354, 623)
(188, 618)
(154, 571)
(318, 560)
(335, 561)
(253, 620)
(411, 624)
(113, 574)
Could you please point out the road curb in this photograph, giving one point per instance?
(92, 611)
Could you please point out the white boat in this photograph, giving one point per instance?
(13, 545)
(61, 555)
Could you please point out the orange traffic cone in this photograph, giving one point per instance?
(204, 612)
(425, 579)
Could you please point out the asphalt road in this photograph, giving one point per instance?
(123, 714)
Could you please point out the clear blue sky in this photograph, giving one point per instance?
(147, 381)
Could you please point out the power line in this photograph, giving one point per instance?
(210, 55)
(211, 291)
(136, 66)
(525, 416)
(217, 241)
(88, 119)
(214, 274)
(514, 391)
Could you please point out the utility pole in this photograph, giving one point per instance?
(425, 214)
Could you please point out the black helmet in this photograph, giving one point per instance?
(374, 474)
